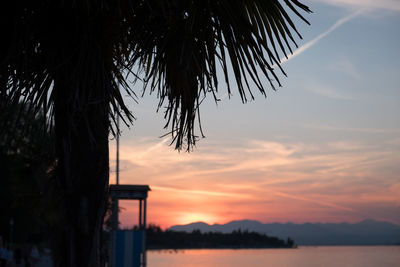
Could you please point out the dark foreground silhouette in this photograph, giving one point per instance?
(156, 238)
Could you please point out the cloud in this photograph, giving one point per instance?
(329, 92)
(254, 160)
(356, 130)
(309, 44)
(392, 5)
(344, 65)
(222, 180)
(315, 201)
(200, 192)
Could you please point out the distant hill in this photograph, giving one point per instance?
(367, 232)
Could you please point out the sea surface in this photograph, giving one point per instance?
(305, 256)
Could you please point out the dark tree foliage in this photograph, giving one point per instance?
(159, 239)
(26, 159)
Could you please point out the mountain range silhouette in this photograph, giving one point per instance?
(366, 232)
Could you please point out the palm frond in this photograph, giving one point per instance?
(179, 45)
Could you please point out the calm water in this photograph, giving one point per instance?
(368, 256)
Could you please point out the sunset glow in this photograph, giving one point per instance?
(265, 181)
(324, 148)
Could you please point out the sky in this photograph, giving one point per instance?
(325, 147)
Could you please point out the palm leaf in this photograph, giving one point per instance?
(185, 39)
(173, 46)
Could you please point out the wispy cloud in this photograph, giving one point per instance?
(393, 5)
(329, 92)
(315, 201)
(326, 127)
(222, 180)
(344, 65)
(200, 192)
(309, 44)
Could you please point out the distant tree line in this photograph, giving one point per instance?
(156, 238)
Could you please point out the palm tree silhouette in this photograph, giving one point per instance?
(71, 57)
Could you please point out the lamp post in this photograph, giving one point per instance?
(117, 156)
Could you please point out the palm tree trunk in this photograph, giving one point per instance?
(81, 125)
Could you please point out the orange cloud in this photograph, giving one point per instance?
(261, 180)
